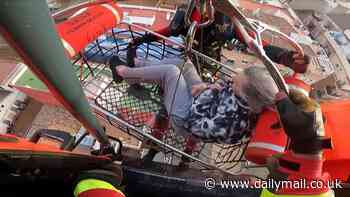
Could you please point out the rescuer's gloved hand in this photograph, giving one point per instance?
(132, 47)
(292, 59)
(302, 122)
(147, 38)
(297, 62)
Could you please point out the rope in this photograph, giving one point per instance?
(177, 85)
(189, 42)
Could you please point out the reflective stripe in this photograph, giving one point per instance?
(114, 11)
(266, 193)
(294, 87)
(266, 146)
(78, 12)
(89, 184)
(68, 47)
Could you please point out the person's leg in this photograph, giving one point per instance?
(190, 74)
(113, 62)
(142, 62)
(191, 142)
(177, 97)
(189, 71)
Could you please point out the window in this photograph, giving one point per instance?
(330, 90)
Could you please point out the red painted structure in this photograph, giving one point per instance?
(87, 26)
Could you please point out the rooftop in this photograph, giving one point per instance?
(28, 79)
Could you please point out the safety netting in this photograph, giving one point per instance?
(129, 108)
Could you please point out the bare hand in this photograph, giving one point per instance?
(196, 89)
(215, 86)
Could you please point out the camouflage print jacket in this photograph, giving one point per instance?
(219, 116)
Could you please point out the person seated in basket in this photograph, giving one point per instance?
(216, 113)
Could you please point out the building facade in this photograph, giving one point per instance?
(337, 57)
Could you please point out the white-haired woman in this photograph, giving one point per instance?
(221, 113)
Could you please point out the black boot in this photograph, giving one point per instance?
(113, 63)
(130, 55)
(148, 158)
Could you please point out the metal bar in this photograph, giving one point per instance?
(87, 64)
(157, 141)
(78, 141)
(265, 27)
(163, 48)
(92, 82)
(90, 92)
(99, 47)
(228, 8)
(115, 40)
(183, 46)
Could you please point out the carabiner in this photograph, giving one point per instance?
(204, 7)
(190, 37)
(211, 14)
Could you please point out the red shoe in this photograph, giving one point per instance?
(190, 146)
(159, 123)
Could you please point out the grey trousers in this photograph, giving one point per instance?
(176, 87)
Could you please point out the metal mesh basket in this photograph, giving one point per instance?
(129, 108)
(134, 104)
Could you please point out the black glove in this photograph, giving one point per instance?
(132, 47)
(147, 38)
(299, 117)
(291, 59)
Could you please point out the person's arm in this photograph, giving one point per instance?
(175, 28)
(198, 88)
(289, 58)
(275, 53)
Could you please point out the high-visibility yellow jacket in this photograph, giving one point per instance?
(96, 188)
(267, 193)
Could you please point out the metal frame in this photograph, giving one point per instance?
(166, 47)
(139, 132)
